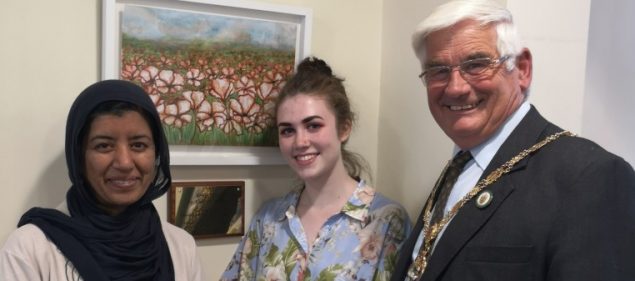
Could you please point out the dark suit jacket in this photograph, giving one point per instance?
(566, 212)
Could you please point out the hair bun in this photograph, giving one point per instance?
(313, 65)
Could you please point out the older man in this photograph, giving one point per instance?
(523, 199)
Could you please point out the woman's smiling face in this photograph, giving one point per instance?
(308, 136)
(119, 159)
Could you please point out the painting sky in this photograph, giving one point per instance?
(160, 24)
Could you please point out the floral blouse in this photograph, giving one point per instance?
(361, 242)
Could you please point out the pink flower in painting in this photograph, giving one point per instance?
(221, 88)
(263, 120)
(176, 114)
(160, 105)
(138, 61)
(271, 84)
(194, 76)
(130, 72)
(244, 110)
(208, 114)
(185, 64)
(228, 71)
(158, 101)
(267, 91)
(245, 86)
(228, 125)
(166, 61)
(202, 61)
(219, 113)
(273, 77)
(196, 98)
(169, 82)
(288, 69)
(212, 72)
(284, 69)
(149, 76)
(131, 65)
(204, 113)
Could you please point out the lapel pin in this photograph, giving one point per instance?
(484, 199)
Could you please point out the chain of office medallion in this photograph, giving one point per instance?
(431, 233)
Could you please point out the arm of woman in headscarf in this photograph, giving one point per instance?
(25, 253)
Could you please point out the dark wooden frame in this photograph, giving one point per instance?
(218, 212)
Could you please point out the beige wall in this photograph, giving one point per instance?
(50, 51)
(411, 146)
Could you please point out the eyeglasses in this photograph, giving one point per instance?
(471, 70)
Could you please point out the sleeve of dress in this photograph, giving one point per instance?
(14, 265)
(398, 227)
(244, 262)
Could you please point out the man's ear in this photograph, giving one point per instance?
(524, 66)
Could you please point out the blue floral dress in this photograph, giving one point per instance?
(359, 243)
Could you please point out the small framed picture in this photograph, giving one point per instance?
(209, 208)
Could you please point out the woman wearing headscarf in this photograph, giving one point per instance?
(107, 228)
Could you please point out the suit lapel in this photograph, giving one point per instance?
(470, 218)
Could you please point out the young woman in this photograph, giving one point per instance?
(334, 226)
(107, 229)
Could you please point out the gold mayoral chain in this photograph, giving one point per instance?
(430, 233)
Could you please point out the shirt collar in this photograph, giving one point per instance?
(357, 206)
(484, 152)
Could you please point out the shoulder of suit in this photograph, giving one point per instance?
(569, 146)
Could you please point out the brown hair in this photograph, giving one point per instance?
(315, 78)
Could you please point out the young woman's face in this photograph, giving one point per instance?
(119, 155)
(308, 136)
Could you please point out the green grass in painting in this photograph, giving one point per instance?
(190, 135)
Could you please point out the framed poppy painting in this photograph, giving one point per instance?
(208, 209)
(212, 68)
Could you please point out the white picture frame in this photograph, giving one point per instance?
(208, 154)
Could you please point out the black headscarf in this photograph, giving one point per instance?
(130, 245)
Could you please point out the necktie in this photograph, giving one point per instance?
(449, 179)
(444, 187)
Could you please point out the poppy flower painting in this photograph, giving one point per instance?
(213, 78)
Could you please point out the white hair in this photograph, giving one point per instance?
(483, 11)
